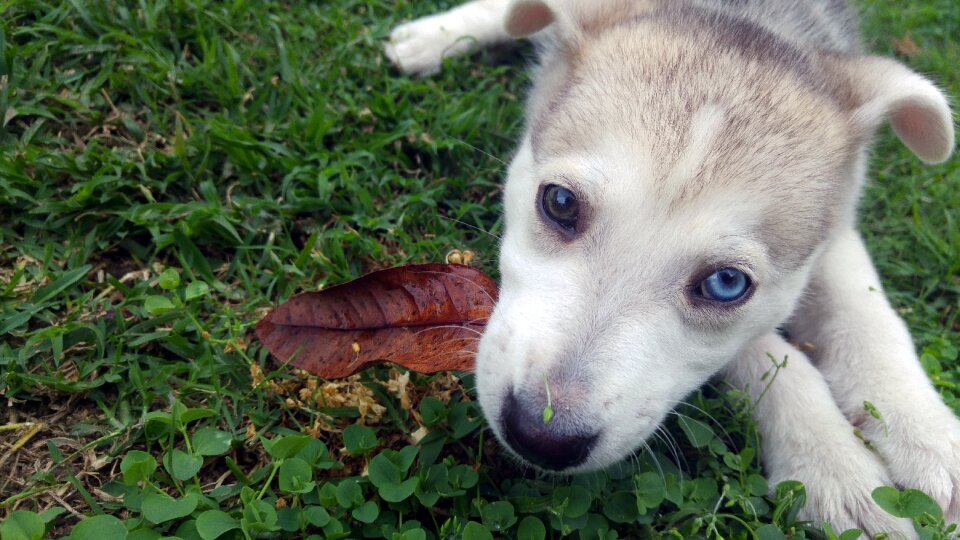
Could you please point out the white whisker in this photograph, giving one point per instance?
(465, 224)
(470, 281)
(482, 151)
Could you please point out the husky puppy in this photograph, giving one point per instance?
(687, 183)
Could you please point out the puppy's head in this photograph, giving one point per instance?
(678, 176)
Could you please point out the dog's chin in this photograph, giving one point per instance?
(601, 458)
(612, 449)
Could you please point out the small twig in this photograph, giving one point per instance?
(34, 428)
(67, 506)
(14, 427)
(106, 497)
(113, 108)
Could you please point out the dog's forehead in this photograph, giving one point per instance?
(675, 129)
(655, 87)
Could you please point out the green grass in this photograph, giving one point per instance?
(170, 170)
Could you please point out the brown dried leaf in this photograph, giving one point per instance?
(425, 317)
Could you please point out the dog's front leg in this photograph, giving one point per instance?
(419, 47)
(865, 353)
(805, 437)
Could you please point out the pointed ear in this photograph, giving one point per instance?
(917, 110)
(527, 17)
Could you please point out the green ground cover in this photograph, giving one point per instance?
(171, 169)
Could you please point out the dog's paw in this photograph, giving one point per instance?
(419, 47)
(839, 484)
(925, 454)
(852, 507)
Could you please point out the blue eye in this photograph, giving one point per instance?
(725, 285)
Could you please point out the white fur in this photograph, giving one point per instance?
(806, 437)
(865, 353)
(703, 134)
(606, 320)
(419, 47)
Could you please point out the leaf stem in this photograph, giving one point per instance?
(548, 410)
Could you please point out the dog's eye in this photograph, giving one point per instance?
(561, 206)
(725, 285)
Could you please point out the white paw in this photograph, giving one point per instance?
(924, 454)
(419, 47)
(839, 479)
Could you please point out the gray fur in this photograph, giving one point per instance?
(817, 24)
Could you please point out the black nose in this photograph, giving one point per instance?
(545, 444)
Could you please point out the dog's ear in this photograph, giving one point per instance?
(572, 17)
(527, 17)
(918, 111)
